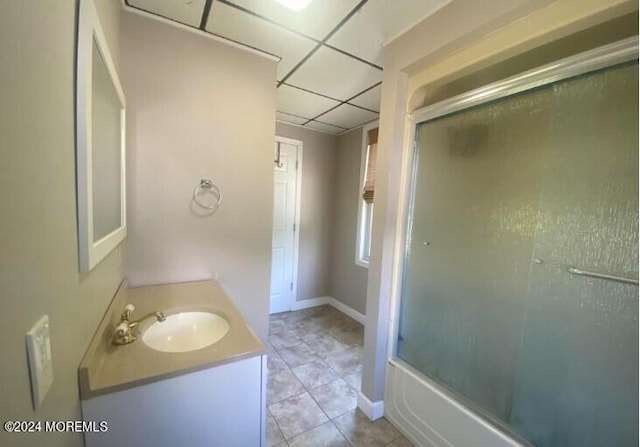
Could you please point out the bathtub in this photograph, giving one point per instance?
(430, 416)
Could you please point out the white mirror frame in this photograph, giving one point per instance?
(89, 30)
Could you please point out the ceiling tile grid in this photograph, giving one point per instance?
(292, 119)
(378, 22)
(302, 103)
(333, 74)
(329, 74)
(369, 100)
(323, 127)
(316, 20)
(185, 12)
(237, 25)
(347, 116)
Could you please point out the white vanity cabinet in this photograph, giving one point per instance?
(219, 406)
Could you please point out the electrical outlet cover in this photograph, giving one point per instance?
(40, 365)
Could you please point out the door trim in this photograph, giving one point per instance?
(296, 236)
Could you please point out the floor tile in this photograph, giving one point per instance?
(335, 398)
(315, 369)
(297, 415)
(276, 326)
(278, 316)
(324, 345)
(359, 430)
(314, 373)
(292, 317)
(346, 362)
(275, 364)
(349, 336)
(307, 325)
(297, 355)
(284, 339)
(400, 442)
(325, 435)
(274, 435)
(282, 385)
(354, 380)
(325, 309)
(343, 326)
(307, 336)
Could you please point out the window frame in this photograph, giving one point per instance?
(363, 226)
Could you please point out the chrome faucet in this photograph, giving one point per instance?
(123, 333)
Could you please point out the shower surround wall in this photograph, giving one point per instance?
(197, 109)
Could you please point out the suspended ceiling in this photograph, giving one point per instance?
(330, 66)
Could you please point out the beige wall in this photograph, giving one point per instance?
(464, 36)
(317, 209)
(198, 109)
(38, 233)
(348, 280)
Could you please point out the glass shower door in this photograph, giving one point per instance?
(467, 270)
(577, 378)
(507, 196)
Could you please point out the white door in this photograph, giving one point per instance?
(284, 242)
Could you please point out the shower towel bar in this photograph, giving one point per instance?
(575, 271)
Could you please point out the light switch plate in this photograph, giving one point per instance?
(40, 365)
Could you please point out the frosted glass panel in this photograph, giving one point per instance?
(506, 197)
(577, 380)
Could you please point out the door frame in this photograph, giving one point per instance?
(296, 219)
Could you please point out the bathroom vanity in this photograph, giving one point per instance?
(211, 396)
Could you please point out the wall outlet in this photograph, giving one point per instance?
(40, 365)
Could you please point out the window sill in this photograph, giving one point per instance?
(362, 263)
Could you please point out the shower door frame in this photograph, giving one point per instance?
(616, 53)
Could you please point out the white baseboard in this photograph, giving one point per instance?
(311, 302)
(347, 310)
(322, 300)
(373, 410)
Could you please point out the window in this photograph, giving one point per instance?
(366, 193)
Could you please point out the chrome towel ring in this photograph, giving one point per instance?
(206, 184)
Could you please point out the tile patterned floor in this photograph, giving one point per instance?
(315, 365)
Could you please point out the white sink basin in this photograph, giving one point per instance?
(186, 331)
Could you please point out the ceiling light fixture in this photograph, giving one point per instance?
(295, 5)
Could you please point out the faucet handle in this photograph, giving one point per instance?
(122, 334)
(121, 330)
(128, 310)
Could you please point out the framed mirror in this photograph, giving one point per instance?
(100, 144)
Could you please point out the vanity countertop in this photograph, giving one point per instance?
(106, 368)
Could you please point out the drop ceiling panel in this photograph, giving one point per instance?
(369, 100)
(348, 116)
(316, 20)
(237, 25)
(298, 102)
(184, 11)
(322, 127)
(334, 74)
(378, 22)
(281, 116)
